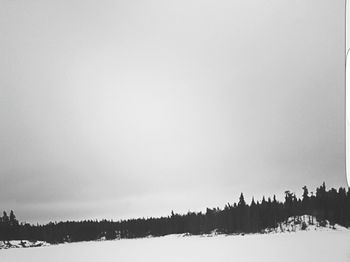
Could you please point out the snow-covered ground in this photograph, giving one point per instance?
(311, 245)
(22, 244)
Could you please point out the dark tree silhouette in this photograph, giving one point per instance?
(332, 205)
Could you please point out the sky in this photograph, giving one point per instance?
(122, 109)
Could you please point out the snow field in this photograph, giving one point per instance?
(312, 245)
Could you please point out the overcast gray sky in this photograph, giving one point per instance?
(118, 109)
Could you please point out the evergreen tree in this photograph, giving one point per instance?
(241, 202)
(5, 217)
(13, 221)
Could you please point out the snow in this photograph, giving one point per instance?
(309, 245)
(22, 244)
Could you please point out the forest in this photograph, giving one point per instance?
(241, 217)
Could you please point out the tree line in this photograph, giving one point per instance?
(241, 217)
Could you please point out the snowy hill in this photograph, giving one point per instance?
(304, 223)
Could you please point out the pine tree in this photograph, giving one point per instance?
(241, 202)
(13, 221)
(5, 218)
